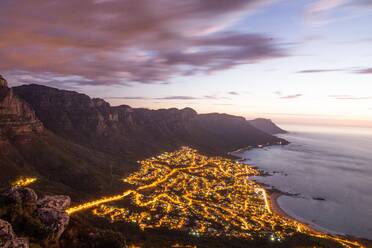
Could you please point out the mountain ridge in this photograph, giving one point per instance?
(83, 146)
(85, 120)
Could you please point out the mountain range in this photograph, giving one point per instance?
(83, 146)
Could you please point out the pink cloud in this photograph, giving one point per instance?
(116, 42)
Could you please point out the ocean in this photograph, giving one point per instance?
(329, 172)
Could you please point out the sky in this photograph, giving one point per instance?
(294, 61)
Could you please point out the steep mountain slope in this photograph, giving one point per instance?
(267, 126)
(27, 148)
(137, 133)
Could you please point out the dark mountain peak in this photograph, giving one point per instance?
(267, 126)
(188, 112)
(16, 116)
(98, 102)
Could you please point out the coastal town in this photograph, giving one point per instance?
(200, 195)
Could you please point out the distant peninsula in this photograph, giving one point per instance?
(267, 126)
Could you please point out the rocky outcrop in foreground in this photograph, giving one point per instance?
(8, 239)
(51, 211)
(42, 220)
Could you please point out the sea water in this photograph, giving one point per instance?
(328, 171)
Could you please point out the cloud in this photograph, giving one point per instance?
(234, 93)
(320, 10)
(349, 70)
(319, 70)
(116, 42)
(364, 71)
(291, 96)
(321, 6)
(127, 98)
(215, 97)
(223, 104)
(178, 98)
(360, 3)
(350, 97)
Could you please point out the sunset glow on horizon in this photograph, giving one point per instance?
(306, 61)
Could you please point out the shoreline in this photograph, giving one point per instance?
(274, 194)
(275, 205)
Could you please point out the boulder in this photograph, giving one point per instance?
(23, 196)
(55, 221)
(8, 239)
(51, 211)
(6, 234)
(59, 202)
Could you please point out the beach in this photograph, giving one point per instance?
(275, 205)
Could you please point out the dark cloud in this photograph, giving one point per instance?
(350, 97)
(291, 96)
(116, 42)
(364, 71)
(349, 70)
(234, 93)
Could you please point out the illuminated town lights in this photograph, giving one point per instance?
(201, 195)
(24, 181)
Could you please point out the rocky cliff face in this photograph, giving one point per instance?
(137, 133)
(16, 116)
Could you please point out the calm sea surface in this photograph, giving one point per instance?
(332, 165)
